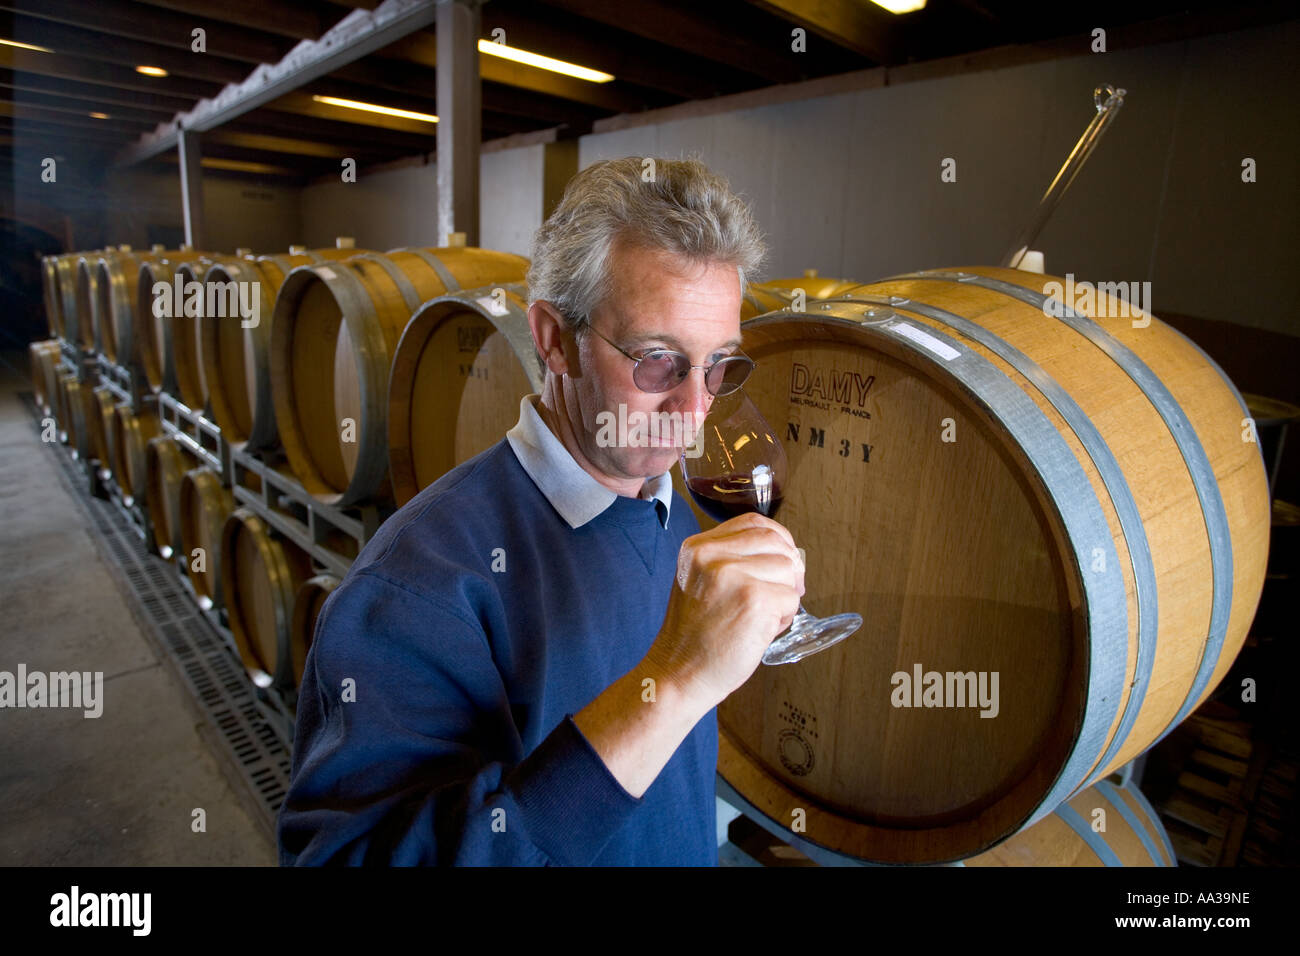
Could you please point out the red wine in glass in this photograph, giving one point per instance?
(730, 495)
(738, 465)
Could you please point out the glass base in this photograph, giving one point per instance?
(808, 635)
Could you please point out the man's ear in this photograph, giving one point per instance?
(552, 338)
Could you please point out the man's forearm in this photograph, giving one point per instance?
(636, 726)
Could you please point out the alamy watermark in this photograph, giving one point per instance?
(1106, 300)
(216, 300)
(80, 690)
(923, 688)
(639, 429)
(75, 908)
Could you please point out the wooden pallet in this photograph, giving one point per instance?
(1271, 833)
(1209, 810)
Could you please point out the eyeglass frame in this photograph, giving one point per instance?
(707, 368)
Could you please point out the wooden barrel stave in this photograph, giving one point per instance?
(166, 464)
(101, 407)
(52, 296)
(77, 327)
(1106, 825)
(45, 356)
(152, 334)
(203, 508)
(261, 572)
(88, 303)
(307, 605)
(73, 420)
(132, 433)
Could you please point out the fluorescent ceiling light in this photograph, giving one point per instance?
(26, 46)
(151, 70)
(239, 165)
(900, 6)
(542, 62)
(374, 108)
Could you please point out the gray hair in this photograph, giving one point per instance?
(674, 205)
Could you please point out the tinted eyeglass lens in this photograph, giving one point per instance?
(660, 371)
(729, 374)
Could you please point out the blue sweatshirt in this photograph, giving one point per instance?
(435, 716)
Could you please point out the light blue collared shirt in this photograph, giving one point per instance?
(575, 494)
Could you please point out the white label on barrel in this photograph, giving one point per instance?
(494, 305)
(926, 341)
(326, 273)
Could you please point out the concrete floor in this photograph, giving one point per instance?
(119, 790)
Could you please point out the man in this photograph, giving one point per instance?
(522, 667)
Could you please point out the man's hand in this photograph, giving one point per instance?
(738, 587)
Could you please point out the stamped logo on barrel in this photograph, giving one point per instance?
(795, 740)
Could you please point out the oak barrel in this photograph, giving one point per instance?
(101, 407)
(236, 364)
(45, 357)
(762, 297)
(132, 433)
(461, 367)
(166, 464)
(1109, 824)
(333, 335)
(72, 417)
(307, 604)
(117, 298)
(52, 295)
(260, 574)
(202, 511)
(152, 331)
(74, 298)
(85, 331)
(1057, 515)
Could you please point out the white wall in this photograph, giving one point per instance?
(510, 198)
(850, 184)
(238, 212)
(399, 207)
(381, 210)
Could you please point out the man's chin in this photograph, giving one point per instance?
(653, 460)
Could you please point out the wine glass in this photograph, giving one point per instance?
(737, 464)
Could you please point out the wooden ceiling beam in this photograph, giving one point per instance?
(83, 107)
(421, 48)
(124, 51)
(304, 105)
(391, 83)
(105, 95)
(286, 18)
(697, 32)
(27, 129)
(124, 19)
(63, 67)
(275, 144)
(68, 117)
(347, 135)
(567, 38)
(546, 109)
(861, 27)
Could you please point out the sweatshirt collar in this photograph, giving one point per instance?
(575, 494)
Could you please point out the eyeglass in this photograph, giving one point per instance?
(660, 370)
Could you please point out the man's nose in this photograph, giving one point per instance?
(692, 395)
